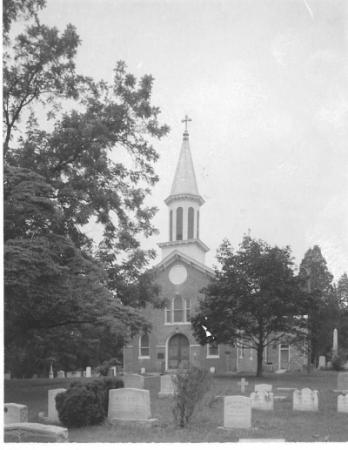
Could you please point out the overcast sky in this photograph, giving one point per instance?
(265, 83)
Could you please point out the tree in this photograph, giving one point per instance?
(320, 303)
(253, 299)
(97, 164)
(342, 291)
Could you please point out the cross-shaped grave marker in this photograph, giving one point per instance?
(243, 384)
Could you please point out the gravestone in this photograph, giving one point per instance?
(7, 375)
(342, 403)
(262, 400)
(305, 400)
(88, 372)
(342, 381)
(243, 384)
(142, 370)
(52, 410)
(167, 386)
(322, 362)
(263, 388)
(15, 413)
(60, 374)
(212, 369)
(133, 380)
(129, 404)
(34, 432)
(237, 412)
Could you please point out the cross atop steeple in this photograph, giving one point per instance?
(187, 119)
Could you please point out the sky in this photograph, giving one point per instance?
(266, 85)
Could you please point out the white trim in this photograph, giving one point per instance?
(195, 345)
(140, 356)
(171, 309)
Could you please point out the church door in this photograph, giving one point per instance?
(178, 352)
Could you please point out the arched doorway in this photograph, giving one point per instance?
(178, 352)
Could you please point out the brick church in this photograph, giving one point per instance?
(182, 274)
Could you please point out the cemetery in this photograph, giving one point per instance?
(225, 414)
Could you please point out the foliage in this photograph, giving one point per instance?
(96, 164)
(320, 303)
(338, 361)
(103, 369)
(86, 404)
(190, 387)
(254, 299)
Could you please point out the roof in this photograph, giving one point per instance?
(176, 255)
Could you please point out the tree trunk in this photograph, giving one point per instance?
(259, 371)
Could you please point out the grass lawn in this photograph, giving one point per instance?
(325, 425)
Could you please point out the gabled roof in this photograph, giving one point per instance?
(176, 255)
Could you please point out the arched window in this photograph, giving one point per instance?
(144, 346)
(179, 224)
(171, 225)
(197, 224)
(178, 308)
(191, 213)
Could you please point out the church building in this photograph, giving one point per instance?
(182, 274)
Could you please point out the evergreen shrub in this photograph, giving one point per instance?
(84, 404)
(190, 387)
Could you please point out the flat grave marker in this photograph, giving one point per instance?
(342, 403)
(130, 405)
(15, 413)
(305, 400)
(34, 432)
(237, 412)
(52, 410)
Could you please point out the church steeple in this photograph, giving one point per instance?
(184, 202)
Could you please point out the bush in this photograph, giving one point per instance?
(190, 387)
(106, 365)
(86, 403)
(338, 361)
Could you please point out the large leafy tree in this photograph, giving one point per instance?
(253, 299)
(96, 164)
(320, 303)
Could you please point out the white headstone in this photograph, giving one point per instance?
(342, 403)
(237, 412)
(167, 386)
(342, 381)
(51, 374)
(35, 432)
(142, 370)
(60, 374)
(129, 404)
(88, 372)
(15, 413)
(212, 369)
(133, 380)
(262, 400)
(263, 387)
(322, 361)
(305, 400)
(52, 410)
(7, 375)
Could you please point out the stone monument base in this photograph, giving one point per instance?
(143, 422)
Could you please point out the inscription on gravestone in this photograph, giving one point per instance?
(237, 412)
(129, 404)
